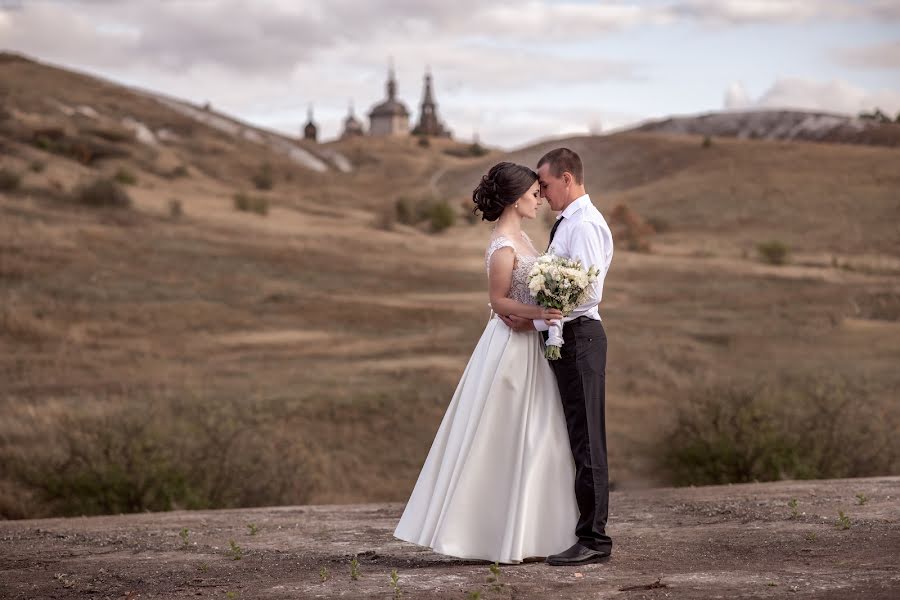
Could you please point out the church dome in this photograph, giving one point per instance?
(390, 108)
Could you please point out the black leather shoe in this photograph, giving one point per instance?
(577, 555)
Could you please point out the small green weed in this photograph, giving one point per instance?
(843, 521)
(235, 551)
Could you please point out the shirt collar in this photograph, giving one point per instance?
(579, 203)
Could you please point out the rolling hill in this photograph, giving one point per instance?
(782, 125)
(306, 352)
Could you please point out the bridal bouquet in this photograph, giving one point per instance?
(560, 283)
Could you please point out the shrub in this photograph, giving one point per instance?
(125, 177)
(175, 210)
(264, 178)
(256, 204)
(802, 429)
(773, 252)
(658, 224)
(629, 228)
(707, 142)
(424, 142)
(442, 216)
(179, 171)
(472, 150)
(477, 149)
(103, 192)
(9, 180)
(160, 454)
(37, 166)
(403, 210)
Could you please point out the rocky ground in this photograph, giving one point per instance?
(762, 540)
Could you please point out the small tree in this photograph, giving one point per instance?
(9, 180)
(442, 216)
(403, 210)
(125, 177)
(103, 192)
(773, 252)
(264, 179)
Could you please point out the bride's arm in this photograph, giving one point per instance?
(500, 280)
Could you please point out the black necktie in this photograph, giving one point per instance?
(553, 231)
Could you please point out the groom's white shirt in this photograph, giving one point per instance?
(584, 235)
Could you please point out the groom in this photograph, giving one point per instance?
(580, 232)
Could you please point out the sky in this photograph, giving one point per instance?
(509, 71)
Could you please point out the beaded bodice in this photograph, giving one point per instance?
(518, 289)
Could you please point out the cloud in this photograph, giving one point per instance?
(835, 96)
(876, 56)
(744, 12)
(736, 97)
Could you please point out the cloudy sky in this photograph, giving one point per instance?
(511, 70)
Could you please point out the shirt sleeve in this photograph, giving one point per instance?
(587, 244)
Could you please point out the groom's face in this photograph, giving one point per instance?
(552, 188)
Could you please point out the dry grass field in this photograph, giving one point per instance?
(196, 355)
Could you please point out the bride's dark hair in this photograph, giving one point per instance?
(504, 184)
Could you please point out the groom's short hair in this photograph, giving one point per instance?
(562, 160)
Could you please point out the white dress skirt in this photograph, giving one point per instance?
(498, 482)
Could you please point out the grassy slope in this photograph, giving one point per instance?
(352, 338)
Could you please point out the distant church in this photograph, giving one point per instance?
(390, 118)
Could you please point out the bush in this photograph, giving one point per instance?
(175, 210)
(103, 192)
(773, 252)
(477, 149)
(707, 142)
(802, 429)
(659, 224)
(472, 150)
(630, 229)
(179, 171)
(403, 211)
(9, 180)
(125, 177)
(255, 204)
(442, 216)
(37, 166)
(161, 454)
(424, 142)
(264, 179)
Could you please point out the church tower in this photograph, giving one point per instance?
(429, 123)
(352, 126)
(310, 132)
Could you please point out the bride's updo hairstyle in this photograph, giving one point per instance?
(505, 183)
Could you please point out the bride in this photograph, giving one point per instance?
(498, 482)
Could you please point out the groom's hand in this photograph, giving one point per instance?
(517, 323)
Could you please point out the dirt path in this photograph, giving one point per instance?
(736, 541)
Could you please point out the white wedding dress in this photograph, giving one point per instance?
(498, 482)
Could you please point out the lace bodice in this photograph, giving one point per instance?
(518, 289)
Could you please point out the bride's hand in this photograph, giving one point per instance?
(551, 314)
